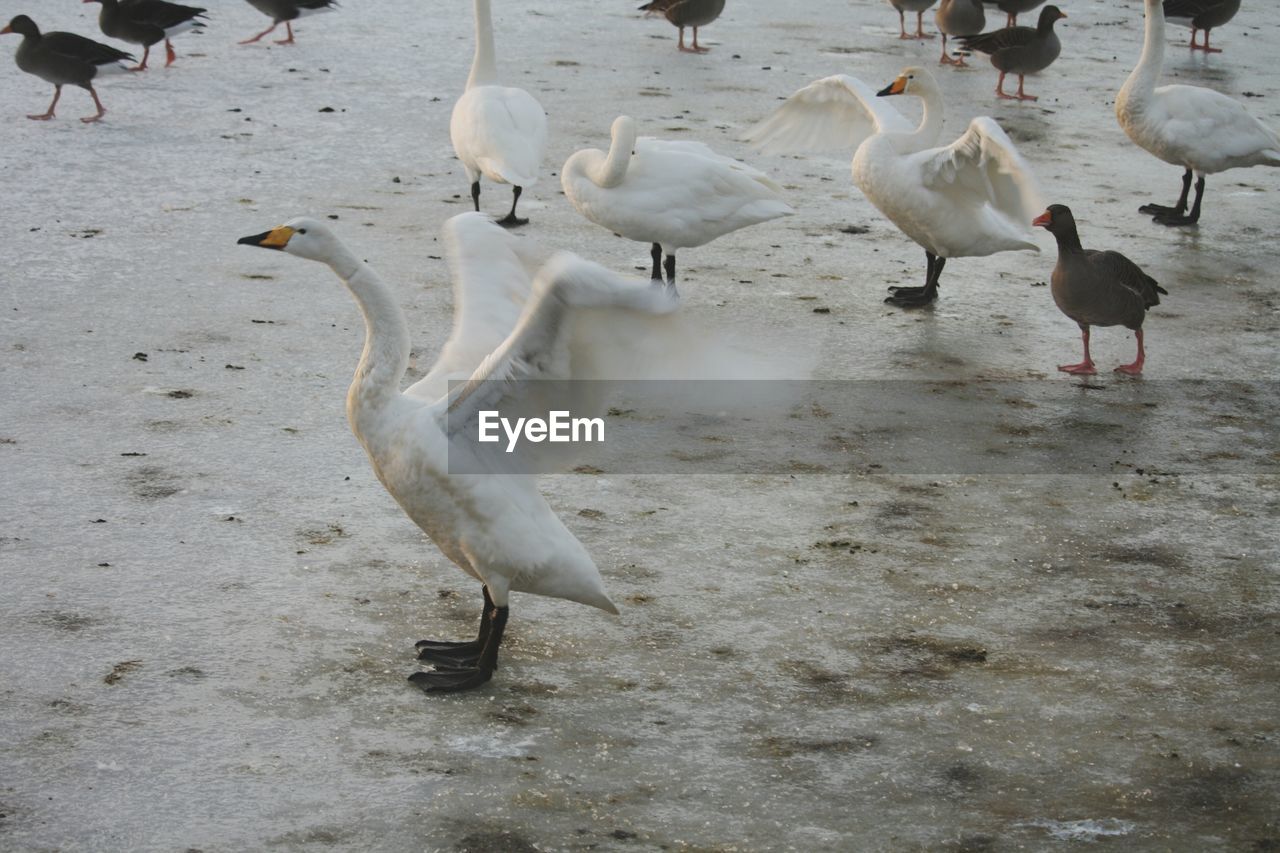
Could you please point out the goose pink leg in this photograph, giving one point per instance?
(57, 93)
(1135, 368)
(1086, 367)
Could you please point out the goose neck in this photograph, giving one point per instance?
(483, 71)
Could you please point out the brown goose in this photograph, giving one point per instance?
(286, 12)
(147, 22)
(1202, 15)
(1013, 8)
(917, 6)
(686, 13)
(63, 59)
(1020, 50)
(1097, 288)
(958, 18)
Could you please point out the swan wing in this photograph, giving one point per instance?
(1213, 126)
(538, 346)
(983, 168)
(834, 113)
(690, 148)
(492, 271)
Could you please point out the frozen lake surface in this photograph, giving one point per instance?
(208, 604)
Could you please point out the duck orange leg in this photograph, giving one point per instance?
(57, 93)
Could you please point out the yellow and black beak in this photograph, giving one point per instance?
(897, 87)
(276, 238)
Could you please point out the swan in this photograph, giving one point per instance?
(675, 195)
(496, 527)
(1199, 129)
(497, 131)
(971, 198)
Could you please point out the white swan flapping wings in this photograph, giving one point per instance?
(671, 194)
(499, 132)
(498, 529)
(971, 198)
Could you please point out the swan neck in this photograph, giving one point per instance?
(930, 127)
(1145, 75)
(611, 171)
(386, 343)
(483, 71)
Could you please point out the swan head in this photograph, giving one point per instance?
(306, 238)
(912, 80)
(623, 131)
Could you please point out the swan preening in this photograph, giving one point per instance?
(672, 195)
(971, 198)
(508, 327)
(499, 132)
(1201, 130)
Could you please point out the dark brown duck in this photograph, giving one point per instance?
(147, 22)
(1097, 288)
(1020, 50)
(63, 59)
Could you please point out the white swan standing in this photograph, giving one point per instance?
(972, 198)
(1199, 129)
(497, 528)
(497, 131)
(674, 195)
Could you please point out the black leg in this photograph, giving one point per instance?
(1178, 209)
(511, 220)
(1191, 218)
(459, 654)
(917, 297)
(475, 195)
(451, 679)
(656, 254)
(671, 268)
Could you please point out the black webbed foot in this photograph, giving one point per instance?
(1174, 219)
(449, 653)
(450, 680)
(1161, 210)
(906, 291)
(512, 221)
(924, 297)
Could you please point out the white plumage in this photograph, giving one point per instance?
(971, 198)
(674, 195)
(1199, 129)
(497, 528)
(499, 132)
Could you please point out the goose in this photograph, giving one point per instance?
(497, 528)
(1097, 288)
(1013, 8)
(147, 22)
(1201, 130)
(497, 131)
(958, 18)
(686, 13)
(674, 195)
(1202, 15)
(971, 198)
(917, 6)
(1020, 50)
(64, 59)
(286, 12)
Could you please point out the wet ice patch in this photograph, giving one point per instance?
(1083, 830)
(489, 746)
